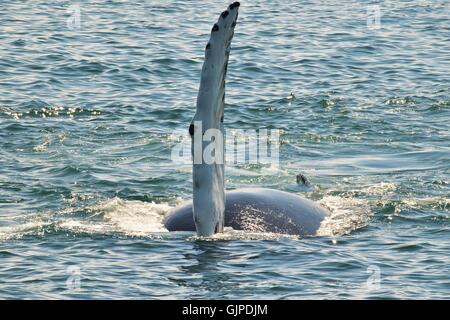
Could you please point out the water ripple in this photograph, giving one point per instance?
(89, 115)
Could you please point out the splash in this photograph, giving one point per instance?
(381, 188)
(229, 234)
(24, 229)
(118, 216)
(111, 217)
(440, 203)
(347, 215)
(135, 218)
(129, 218)
(43, 146)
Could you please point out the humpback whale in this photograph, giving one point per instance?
(212, 209)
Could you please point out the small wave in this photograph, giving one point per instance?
(48, 112)
(30, 228)
(113, 216)
(399, 101)
(439, 106)
(327, 103)
(381, 188)
(440, 203)
(43, 146)
(347, 215)
(132, 217)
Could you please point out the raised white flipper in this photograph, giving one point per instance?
(208, 178)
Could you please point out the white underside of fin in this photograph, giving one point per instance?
(208, 179)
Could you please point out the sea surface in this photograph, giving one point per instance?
(94, 96)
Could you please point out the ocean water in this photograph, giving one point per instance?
(93, 94)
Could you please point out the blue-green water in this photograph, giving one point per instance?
(87, 120)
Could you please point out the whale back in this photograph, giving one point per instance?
(259, 210)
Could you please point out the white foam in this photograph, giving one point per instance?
(20, 230)
(381, 188)
(135, 218)
(347, 215)
(430, 202)
(230, 234)
(130, 218)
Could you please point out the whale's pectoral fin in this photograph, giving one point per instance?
(208, 177)
(211, 94)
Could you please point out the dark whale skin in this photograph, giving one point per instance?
(259, 210)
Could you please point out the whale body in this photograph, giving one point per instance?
(212, 209)
(258, 210)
